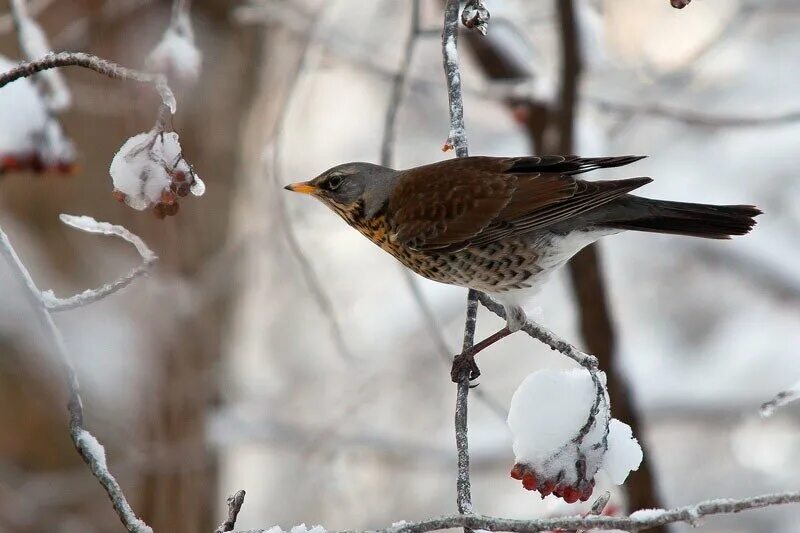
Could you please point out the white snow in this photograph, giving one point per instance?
(302, 528)
(624, 453)
(148, 165)
(548, 411)
(93, 448)
(26, 128)
(176, 54)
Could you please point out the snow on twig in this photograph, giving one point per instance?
(457, 138)
(89, 449)
(176, 55)
(90, 225)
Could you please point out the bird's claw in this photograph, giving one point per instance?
(464, 367)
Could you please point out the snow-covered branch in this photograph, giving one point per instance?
(638, 521)
(90, 225)
(91, 62)
(90, 450)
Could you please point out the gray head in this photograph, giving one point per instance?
(350, 187)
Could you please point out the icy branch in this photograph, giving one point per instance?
(457, 137)
(89, 449)
(90, 225)
(235, 502)
(782, 398)
(97, 64)
(475, 15)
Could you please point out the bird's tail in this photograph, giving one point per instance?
(694, 220)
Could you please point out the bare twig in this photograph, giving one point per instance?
(235, 502)
(89, 449)
(99, 65)
(692, 117)
(88, 296)
(316, 287)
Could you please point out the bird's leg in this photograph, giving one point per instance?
(464, 363)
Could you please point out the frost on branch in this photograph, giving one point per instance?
(30, 137)
(149, 171)
(176, 55)
(560, 442)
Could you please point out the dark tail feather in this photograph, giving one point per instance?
(694, 220)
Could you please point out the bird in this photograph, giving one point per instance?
(503, 225)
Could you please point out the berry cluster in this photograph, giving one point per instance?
(34, 163)
(581, 490)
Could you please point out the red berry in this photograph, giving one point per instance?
(179, 175)
(183, 189)
(547, 488)
(571, 495)
(586, 493)
(529, 481)
(517, 471)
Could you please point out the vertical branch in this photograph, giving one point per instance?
(458, 140)
(585, 272)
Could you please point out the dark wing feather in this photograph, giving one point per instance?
(477, 200)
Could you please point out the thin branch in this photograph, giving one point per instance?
(99, 65)
(235, 502)
(692, 117)
(457, 138)
(544, 336)
(89, 296)
(315, 286)
(89, 449)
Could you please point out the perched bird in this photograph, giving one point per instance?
(502, 225)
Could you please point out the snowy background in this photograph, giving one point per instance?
(221, 371)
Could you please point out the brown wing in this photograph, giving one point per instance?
(477, 200)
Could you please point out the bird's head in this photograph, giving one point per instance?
(353, 190)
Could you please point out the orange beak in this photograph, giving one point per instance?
(303, 187)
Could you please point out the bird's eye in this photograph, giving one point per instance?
(334, 182)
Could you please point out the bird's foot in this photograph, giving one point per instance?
(464, 367)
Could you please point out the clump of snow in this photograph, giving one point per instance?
(176, 55)
(30, 137)
(93, 448)
(645, 515)
(149, 171)
(624, 453)
(563, 434)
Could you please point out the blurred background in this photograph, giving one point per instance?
(275, 350)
